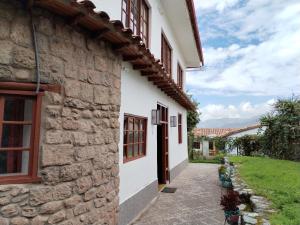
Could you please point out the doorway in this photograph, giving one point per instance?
(163, 146)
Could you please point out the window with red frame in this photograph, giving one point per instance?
(135, 15)
(179, 76)
(166, 54)
(196, 145)
(19, 136)
(179, 128)
(134, 137)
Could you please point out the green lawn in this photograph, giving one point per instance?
(215, 161)
(277, 180)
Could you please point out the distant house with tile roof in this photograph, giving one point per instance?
(204, 141)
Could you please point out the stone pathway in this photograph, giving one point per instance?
(196, 201)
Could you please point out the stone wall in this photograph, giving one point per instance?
(79, 128)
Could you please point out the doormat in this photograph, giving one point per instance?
(169, 190)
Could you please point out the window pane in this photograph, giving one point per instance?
(130, 151)
(130, 137)
(136, 150)
(136, 124)
(16, 136)
(14, 163)
(136, 137)
(125, 138)
(141, 136)
(130, 125)
(125, 123)
(142, 149)
(124, 151)
(17, 109)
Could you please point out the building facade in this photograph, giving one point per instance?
(92, 107)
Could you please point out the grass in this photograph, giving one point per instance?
(278, 181)
(215, 161)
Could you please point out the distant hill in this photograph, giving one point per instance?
(228, 122)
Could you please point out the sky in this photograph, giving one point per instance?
(251, 53)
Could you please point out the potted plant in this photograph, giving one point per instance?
(230, 202)
(222, 160)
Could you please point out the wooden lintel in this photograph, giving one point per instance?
(100, 33)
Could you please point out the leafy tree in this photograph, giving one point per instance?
(193, 116)
(281, 138)
(247, 144)
(220, 143)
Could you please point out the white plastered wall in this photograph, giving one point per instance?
(139, 97)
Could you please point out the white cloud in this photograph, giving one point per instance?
(265, 58)
(241, 111)
(219, 5)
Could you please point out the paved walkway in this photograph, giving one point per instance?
(196, 201)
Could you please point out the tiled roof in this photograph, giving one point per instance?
(123, 41)
(221, 132)
(212, 132)
(241, 130)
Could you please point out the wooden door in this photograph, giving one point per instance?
(163, 145)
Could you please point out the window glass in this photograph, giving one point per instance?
(134, 138)
(15, 140)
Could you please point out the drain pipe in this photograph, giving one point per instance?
(36, 53)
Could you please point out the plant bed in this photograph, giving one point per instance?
(229, 203)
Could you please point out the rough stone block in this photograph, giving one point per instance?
(63, 191)
(73, 201)
(51, 207)
(6, 52)
(23, 74)
(20, 31)
(101, 95)
(10, 210)
(57, 217)
(29, 212)
(57, 155)
(4, 221)
(4, 31)
(85, 153)
(54, 137)
(19, 221)
(40, 195)
(39, 220)
(5, 72)
(83, 184)
(23, 57)
(81, 208)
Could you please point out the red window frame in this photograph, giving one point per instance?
(180, 128)
(130, 144)
(166, 54)
(31, 177)
(179, 76)
(197, 145)
(135, 15)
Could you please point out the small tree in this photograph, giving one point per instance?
(281, 138)
(193, 118)
(220, 143)
(247, 144)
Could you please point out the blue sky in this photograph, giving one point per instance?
(252, 56)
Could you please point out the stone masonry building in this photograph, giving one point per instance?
(79, 132)
(93, 109)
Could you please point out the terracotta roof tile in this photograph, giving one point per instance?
(212, 132)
